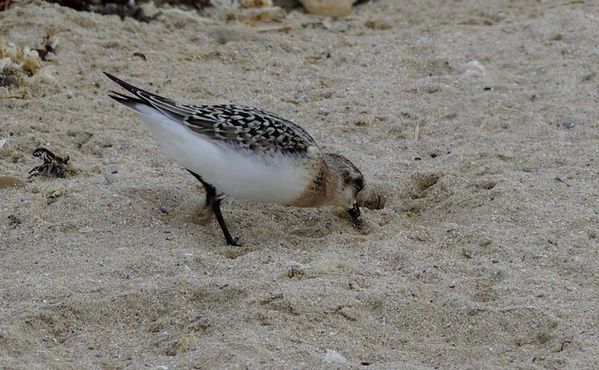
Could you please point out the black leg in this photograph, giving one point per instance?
(213, 201)
(210, 190)
(221, 222)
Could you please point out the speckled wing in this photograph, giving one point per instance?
(249, 128)
(244, 127)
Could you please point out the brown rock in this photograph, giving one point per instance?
(332, 8)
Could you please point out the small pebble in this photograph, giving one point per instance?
(334, 357)
(331, 8)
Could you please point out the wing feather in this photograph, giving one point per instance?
(245, 127)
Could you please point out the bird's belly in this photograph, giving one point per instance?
(268, 180)
(241, 174)
(264, 183)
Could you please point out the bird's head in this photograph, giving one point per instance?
(348, 181)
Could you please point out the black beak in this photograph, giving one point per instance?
(354, 212)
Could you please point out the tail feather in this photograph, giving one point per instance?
(128, 101)
(132, 89)
(164, 105)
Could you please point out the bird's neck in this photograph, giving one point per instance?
(320, 190)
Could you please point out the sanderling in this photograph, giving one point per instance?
(247, 153)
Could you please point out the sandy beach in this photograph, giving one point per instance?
(475, 123)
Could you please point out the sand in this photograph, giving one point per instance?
(477, 124)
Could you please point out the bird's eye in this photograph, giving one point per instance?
(359, 184)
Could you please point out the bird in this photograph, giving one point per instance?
(246, 153)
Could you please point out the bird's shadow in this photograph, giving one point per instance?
(255, 223)
(172, 204)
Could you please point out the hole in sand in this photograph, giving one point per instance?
(424, 181)
(374, 199)
(486, 185)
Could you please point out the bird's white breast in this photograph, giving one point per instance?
(240, 173)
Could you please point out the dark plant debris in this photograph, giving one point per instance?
(195, 4)
(53, 166)
(141, 55)
(559, 179)
(4, 4)
(108, 7)
(125, 8)
(13, 221)
(12, 75)
(46, 49)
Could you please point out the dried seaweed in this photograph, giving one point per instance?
(125, 8)
(53, 166)
(4, 4)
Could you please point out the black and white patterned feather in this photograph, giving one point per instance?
(245, 127)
